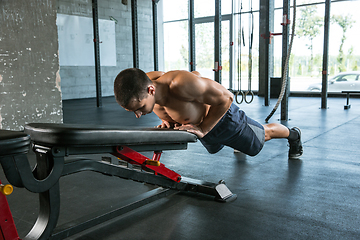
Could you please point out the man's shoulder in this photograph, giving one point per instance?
(160, 75)
(174, 78)
(155, 74)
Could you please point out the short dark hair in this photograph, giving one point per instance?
(130, 83)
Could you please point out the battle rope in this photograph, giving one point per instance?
(286, 67)
(251, 39)
(239, 91)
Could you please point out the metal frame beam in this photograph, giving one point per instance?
(285, 48)
(135, 39)
(155, 35)
(97, 52)
(265, 48)
(324, 92)
(192, 60)
(217, 36)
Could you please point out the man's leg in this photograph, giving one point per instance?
(277, 130)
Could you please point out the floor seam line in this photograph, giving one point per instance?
(331, 129)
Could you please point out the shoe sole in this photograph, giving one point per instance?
(295, 157)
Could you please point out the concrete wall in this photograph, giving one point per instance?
(79, 82)
(29, 65)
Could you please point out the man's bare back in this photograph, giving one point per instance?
(188, 100)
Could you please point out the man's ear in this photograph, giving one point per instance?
(151, 89)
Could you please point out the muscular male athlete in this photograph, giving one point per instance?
(186, 101)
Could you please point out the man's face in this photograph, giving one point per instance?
(142, 107)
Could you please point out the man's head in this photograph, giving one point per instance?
(134, 91)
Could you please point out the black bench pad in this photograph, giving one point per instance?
(95, 135)
(13, 142)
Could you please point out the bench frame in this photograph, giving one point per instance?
(52, 164)
(347, 106)
(7, 224)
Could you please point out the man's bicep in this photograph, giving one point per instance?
(216, 95)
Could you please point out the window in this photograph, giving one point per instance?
(176, 46)
(305, 67)
(175, 10)
(204, 8)
(344, 49)
(305, 64)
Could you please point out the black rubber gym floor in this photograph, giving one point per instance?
(316, 197)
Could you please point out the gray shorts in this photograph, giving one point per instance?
(235, 130)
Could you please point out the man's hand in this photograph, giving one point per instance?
(166, 124)
(192, 129)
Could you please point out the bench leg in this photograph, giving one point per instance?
(48, 214)
(49, 202)
(347, 106)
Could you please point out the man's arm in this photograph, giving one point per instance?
(192, 88)
(166, 120)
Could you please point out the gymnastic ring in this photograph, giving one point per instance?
(252, 96)
(242, 96)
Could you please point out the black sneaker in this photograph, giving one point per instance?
(296, 149)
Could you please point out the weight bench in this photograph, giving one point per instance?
(347, 106)
(55, 144)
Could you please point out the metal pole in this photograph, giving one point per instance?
(155, 35)
(266, 23)
(97, 52)
(325, 55)
(135, 33)
(192, 60)
(217, 36)
(251, 40)
(231, 48)
(285, 47)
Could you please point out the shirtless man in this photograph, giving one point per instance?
(186, 101)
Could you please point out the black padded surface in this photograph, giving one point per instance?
(13, 142)
(79, 135)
